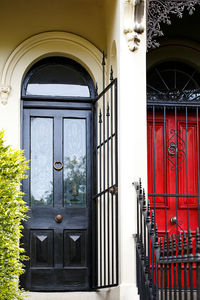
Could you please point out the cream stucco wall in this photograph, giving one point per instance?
(22, 19)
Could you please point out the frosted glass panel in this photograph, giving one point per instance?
(57, 80)
(61, 90)
(74, 162)
(41, 161)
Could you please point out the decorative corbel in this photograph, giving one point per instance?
(4, 93)
(133, 22)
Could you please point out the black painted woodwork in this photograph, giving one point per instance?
(60, 253)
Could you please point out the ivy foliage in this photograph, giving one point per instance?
(12, 211)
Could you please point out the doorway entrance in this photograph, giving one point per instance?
(173, 147)
(57, 139)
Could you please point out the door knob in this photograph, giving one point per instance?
(58, 165)
(173, 220)
(59, 218)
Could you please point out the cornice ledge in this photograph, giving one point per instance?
(4, 94)
(133, 22)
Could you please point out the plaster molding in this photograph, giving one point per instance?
(4, 94)
(133, 22)
(43, 45)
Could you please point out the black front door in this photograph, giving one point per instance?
(57, 235)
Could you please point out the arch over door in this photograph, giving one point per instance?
(57, 139)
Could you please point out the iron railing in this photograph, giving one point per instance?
(167, 267)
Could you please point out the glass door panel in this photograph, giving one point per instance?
(41, 161)
(74, 162)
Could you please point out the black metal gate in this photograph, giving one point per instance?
(106, 187)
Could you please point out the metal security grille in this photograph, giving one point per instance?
(106, 194)
(173, 128)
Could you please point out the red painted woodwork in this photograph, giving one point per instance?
(164, 176)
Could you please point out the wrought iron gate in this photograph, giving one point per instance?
(106, 192)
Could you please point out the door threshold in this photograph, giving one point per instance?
(86, 295)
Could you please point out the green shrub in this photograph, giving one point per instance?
(12, 211)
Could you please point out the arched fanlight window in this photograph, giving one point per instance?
(173, 81)
(54, 77)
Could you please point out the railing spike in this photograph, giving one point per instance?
(103, 59)
(165, 246)
(152, 223)
(190, 247)
(140, 189)
(174, 245)
(140, 185)
(100, 117)
(108, 111)
(170, 246)
(161, 247)
(148, 220)
(184, 244)
(96, 89)
(179, 246)
(144, 202)
(111, 73)
(197, 254)
(156, 245)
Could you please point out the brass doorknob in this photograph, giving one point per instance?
(58, 165)
(173, 220)
(59, 218)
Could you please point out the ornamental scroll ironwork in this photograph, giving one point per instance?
(159, 12)
(178, 96)
(176, 150)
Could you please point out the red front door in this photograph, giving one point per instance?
(173, 168)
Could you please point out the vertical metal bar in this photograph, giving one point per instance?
(185, 264)
(197, 256)
(165, 267)
(108, 183)
(174, 265)
(190, 256)
(152, 268)
(116, 176)
(100, 204)
(197, 116)
(161, 270)
(156, 286)
(179, 266)
(176, 143)
(165, 163)
(170, 269)
(186, 129)
(154, 163)
(198, 279)
(104, 177)
(112, 170)
(161, 281)
(95, 217)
